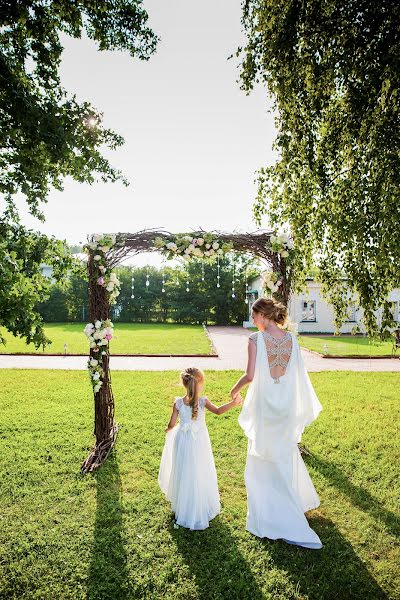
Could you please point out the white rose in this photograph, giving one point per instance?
(97, 387)
(97, 257)
(95, 376)
(207, 253)
(97, 324)
(200, 241)
(93, 344)
(113, 277)
(272, 239)
(208, 246)
(110, 286)
(215, 245)
(97, 335)
(211, 252)
(220, 252)
(284, 253)
(97, 237)
(191, 247)
(198, 252)
(102, 269)
(103, 342)
(270, 285)
(89, 329)
(90, 338)
(93, 246)
(93, 362)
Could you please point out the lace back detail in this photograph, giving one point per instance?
(278, 353)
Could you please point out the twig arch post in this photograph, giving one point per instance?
(124, 244)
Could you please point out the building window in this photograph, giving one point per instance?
(395, 311)
(309, 311)
(351, 314)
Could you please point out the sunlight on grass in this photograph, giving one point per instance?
(130, 338)
(111, 536)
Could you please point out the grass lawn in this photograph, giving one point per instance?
(345, 345)
(130, 338)
(110, 535)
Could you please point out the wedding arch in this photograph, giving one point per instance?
(107, 251)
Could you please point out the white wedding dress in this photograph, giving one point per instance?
(274, 415)
(187, 474)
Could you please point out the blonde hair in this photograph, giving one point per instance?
(191, 379)
(271, 309)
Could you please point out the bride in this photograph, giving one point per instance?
(279, 404)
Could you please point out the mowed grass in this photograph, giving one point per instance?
(346, 345)
(110, 535)
(130, 338)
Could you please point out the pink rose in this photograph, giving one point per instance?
(100, 281)
(108, 336)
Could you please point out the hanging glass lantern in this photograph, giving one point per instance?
(246, 293)
(132, 286)
(163, 279)
(147, 277)
(218, 271)
(202, 271)
(233, 277)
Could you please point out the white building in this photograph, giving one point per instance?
(313, 313)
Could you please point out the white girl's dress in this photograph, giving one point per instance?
(274, 415)
(187, 474)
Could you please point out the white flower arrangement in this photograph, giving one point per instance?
(186, 246)
(271, 281)
(281, 243)
(99, 335)
(101, 244)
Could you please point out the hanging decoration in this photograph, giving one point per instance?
(202, 271)
(246, 292)
(132, 285)
(163, 278)
(233, 277)
(147, 277)
(218, 273)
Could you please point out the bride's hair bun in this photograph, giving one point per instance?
(271, 309)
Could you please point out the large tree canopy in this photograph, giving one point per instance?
(46, 134)
(333, 69)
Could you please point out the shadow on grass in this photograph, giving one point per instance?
(220, 569)
(108, 576)
(334, 572)
(356, 494)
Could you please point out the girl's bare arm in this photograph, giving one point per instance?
(173, 418)
(220, 410)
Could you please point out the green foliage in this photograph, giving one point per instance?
(110, 535)
(333, 72)
(23, 285)
(45, 133)
(203, 303)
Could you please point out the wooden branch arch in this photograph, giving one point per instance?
(130, 244)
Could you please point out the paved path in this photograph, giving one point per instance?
(231, 345)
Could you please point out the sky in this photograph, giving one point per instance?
(193, 139)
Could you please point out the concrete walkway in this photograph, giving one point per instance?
(231, 345)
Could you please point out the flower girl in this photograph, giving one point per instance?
(187, 473)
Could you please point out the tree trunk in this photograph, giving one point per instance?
(105, 429)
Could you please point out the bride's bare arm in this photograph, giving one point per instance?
(248, 376)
